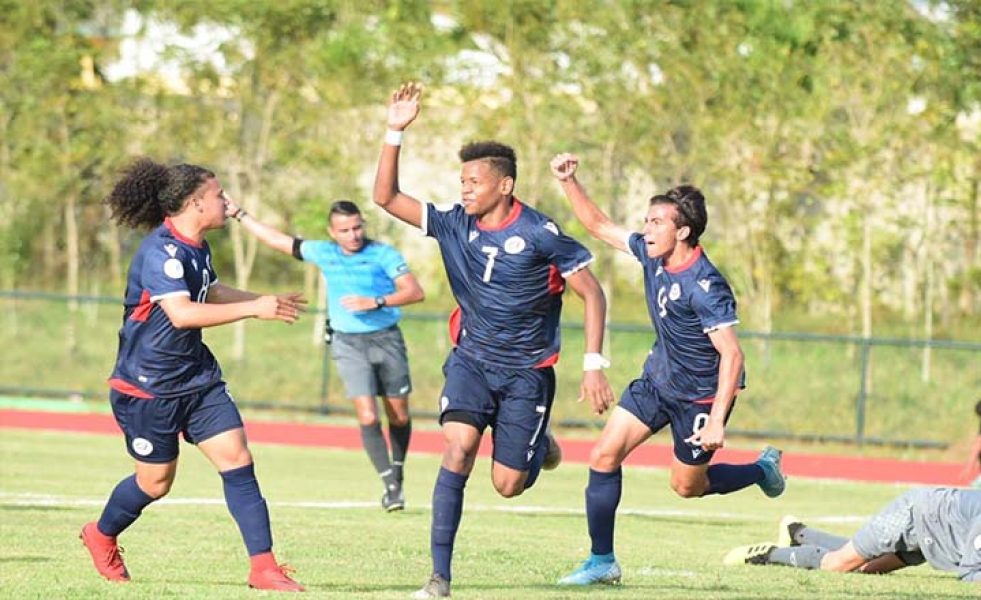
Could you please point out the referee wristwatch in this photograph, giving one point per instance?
(379, 301)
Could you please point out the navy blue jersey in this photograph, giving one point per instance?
(508, 282)
(685, 304)
(155, 358)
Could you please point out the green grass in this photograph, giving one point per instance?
(669, 547)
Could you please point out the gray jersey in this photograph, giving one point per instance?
(939, 525)
(947, 523)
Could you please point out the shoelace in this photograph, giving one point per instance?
(113, 556)
(285, 570)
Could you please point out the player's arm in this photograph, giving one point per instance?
(185, 314)
(402, 110)
(594, 385)
(726, 343)
(268, 235)
(886, 563)
(407, 291)
(598, 224)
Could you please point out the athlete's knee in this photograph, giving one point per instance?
(509, 487)
(367, 418)
(604, 458)
(840, 561)
(688, 489)
(457, 457)
(154, 486)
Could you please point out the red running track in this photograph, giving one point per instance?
(576, 451)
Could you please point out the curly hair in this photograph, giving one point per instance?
(501, 157)
(148, 191)
(690, 203)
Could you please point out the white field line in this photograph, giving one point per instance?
(42, 500)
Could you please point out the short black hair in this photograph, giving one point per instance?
(343, 207)
(690, 205)
(500, 156)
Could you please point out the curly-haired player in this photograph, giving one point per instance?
(166, 381)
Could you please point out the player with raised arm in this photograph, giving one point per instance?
(690, 378)
(366, 283)
(166, 382)
(507, 265)
(940, 526)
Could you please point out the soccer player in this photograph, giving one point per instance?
(507, 265)
(941, 526)
(166, 381)
(690, 378)
(366, 283)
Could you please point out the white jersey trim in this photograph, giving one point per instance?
(720, 326)
(626, 242)
(578, 267)
(170, 295)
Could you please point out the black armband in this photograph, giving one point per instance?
(296, 248)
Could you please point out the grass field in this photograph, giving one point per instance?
(327, 524)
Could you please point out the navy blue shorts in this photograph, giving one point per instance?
(642, 400)
(515, 403)
(151, 425)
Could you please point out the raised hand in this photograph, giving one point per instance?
(404, 105)
(564, 166)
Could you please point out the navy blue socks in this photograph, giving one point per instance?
(124, 506)
(447, 510)
(729, 478)
(248, 508)
(602, 499)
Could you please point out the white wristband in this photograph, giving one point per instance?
(393, 138)
(594, 361)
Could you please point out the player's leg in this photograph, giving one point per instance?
(351, 354)
(521, 439)
(631, 423)
(691, 474)
(388, 355)
(461, 435)
(150, 427)
(216, 427)
(466, 407)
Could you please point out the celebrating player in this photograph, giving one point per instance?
(941, 526)
(366, 283)
(691, 375)
(166, 381)
(507, 265)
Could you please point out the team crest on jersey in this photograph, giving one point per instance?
(473, 235)
(551, 227)
(173, 268)
(171, 250)
(675, 292)
(514, 245)
(142, 446)
(705, 284)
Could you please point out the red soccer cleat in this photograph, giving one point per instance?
(267, 575)
(106, 555)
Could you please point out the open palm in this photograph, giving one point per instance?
(404, 107)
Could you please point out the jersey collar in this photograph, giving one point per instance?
(177, 235)
(691, 260)
(508, 220)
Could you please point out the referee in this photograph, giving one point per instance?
(366, 283)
